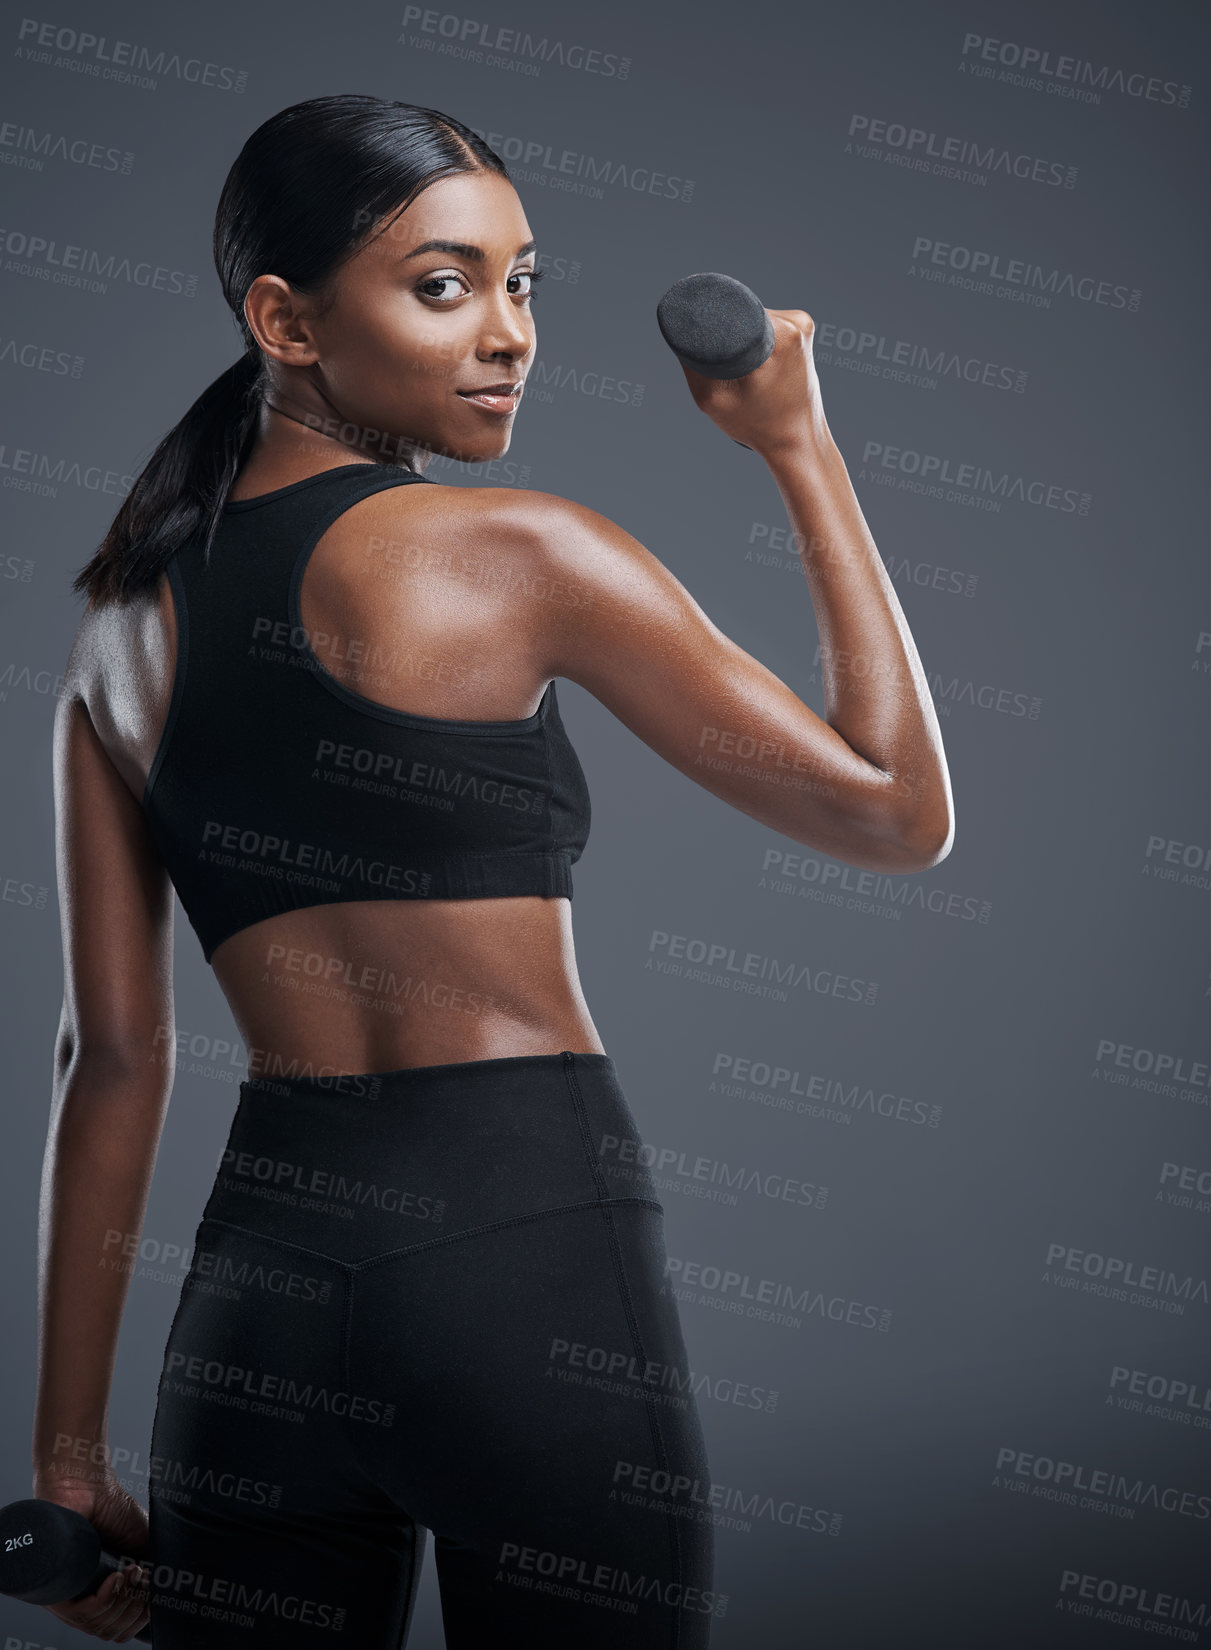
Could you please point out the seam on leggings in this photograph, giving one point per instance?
(284, 1243)
(497, 1226)
(346, 1357)
(628, 1306)
(354, 1266)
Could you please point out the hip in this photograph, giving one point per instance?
(360, 1165)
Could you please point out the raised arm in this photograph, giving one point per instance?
(869, 784)
(109, 1096)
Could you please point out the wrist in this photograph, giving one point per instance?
(809, 446)
(73, 1456)
(809, 449)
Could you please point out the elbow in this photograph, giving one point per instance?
(932, 852)
(112, 1063)
(928, 836)
(925, 817)
(904, 842)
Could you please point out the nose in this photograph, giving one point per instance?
(507, 330)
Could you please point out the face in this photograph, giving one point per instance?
(414, 329)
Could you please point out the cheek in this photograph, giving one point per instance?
(385, 367)
(398, 342)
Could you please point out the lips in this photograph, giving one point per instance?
(497, 398)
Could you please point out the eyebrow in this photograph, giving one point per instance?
(476, 253)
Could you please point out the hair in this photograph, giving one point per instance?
(303, 195)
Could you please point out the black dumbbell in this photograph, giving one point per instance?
(716, 325)
(52, 1555)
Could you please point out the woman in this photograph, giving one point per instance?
(318, 699)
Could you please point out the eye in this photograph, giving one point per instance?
(531, 275)
(438, 280)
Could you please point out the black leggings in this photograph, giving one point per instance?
(417, 1301)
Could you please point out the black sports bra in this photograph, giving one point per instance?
(275, 786)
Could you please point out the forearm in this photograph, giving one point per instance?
(876, 692)
(106, 1120)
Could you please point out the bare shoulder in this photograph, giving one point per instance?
(119, 675)
(519, 543)
(80, 672)
(589, 555)
(546, 523)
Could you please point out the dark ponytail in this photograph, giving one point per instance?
(303, 195)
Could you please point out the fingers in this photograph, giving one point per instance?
(798, 318)
(128, 1608)
(115, 1612)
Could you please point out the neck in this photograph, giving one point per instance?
(330, 436)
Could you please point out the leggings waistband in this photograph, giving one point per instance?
(357, 1166)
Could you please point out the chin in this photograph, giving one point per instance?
(463, 452)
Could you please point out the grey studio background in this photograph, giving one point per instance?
(979, 1353)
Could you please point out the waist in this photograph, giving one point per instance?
(376, 986)
(363, 1164)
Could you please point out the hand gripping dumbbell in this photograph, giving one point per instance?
(52, 1555)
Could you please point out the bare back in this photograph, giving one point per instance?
(412, 600)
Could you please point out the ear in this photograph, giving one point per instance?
(280, 321)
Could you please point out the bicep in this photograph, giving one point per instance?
(115, 902)
(633, 635)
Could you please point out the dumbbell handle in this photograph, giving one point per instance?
(105, 1568)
